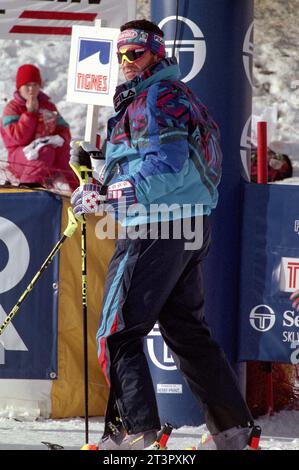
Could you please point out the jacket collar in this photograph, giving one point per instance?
(42, 97)
(165, 69)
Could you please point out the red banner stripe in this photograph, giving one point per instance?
(67, 31)
(58, 15)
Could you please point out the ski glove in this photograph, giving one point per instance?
(120, 196)
(117, 197)
(85, 154)
(86, 199)
(295, 298)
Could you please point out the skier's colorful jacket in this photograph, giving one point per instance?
(163, 141)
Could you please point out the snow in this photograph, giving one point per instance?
(276, 93)
(280, 432)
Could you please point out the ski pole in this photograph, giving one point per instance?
(83, 173)
(68, 232)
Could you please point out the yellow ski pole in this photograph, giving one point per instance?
(83, 173)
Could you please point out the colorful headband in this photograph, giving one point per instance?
(147, 39)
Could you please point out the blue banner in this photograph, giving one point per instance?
(269, 326)
(214, 48)
(29, 228)
(176, 403)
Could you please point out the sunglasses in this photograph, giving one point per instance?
(130, 55)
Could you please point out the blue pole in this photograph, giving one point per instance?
(214, 48)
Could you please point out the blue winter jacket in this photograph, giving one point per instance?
(157, 140)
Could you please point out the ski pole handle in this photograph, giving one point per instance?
(82, 172)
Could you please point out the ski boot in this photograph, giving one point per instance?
(236, 438)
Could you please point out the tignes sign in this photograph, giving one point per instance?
(53, 19)
(93, 68)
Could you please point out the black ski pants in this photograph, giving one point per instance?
(158, 280)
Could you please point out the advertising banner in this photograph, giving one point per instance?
(269, 326)
(175, 400)
(27, 19)
(29, 228)
(213, 44)
(214, 49)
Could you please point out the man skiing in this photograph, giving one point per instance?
(162, 149)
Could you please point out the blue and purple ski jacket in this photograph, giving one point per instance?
(164, 142)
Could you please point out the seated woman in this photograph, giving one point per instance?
(36, 136)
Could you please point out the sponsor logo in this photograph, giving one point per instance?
(289, 274)
(296, 226)
(128, 34)
(143, 36)
(248, 53)
(196, 46)
(124, 95)
(262, 318)
(290, 319)
(159, 39)
(245, 150)
(165, 360)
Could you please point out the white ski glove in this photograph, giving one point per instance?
(87, 199)
(83, 153)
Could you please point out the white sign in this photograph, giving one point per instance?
(24, 19)
(289, 274)
(170, 388)
(93, 68)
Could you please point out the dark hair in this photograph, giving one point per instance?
(142, 24)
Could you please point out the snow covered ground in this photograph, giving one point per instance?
(280, 432)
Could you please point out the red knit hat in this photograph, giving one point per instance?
(28, 73)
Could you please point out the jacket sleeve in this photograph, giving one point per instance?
(20, 128)
(162, 142)
(62, 127)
